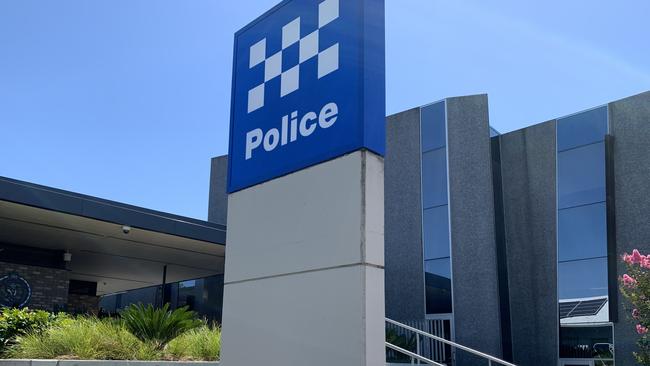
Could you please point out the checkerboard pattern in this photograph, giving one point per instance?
(309, 47)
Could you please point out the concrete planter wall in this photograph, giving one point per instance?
(11, 362)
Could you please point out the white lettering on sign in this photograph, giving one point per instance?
(289, 129)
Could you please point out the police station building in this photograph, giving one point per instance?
(511, 243)
(507, 243)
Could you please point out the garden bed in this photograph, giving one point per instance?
(16, 362)
(139, 336)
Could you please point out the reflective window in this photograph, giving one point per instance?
(581, 175)
(190, 294)
(187, 284)
(587, 342)
(581, 221)
(438, 286)
(435, 225)
(204, 295)
(435, 217)
(434, 178)
(433, 126)
(149, 295)
(582, 232)
(582, 278)
(582, 128)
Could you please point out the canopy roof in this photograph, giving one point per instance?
(92, 231)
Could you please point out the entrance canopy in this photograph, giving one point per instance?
(119, 246)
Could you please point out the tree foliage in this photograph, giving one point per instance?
(635, 286)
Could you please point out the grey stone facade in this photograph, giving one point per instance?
(473, 249)
(403, 216)
(630, 126)
(529, 201)
(49, 285)
(218, 201)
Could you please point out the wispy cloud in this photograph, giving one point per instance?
(566, 46)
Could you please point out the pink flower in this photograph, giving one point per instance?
(628, 281)
(627, 258)
(635, 313)
(637, 257)
(646, 263)
(641, 329)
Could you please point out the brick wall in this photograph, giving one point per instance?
(49, 285)
(83, 304)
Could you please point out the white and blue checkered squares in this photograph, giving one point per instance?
(328, 11)
(309, 47)
(291, 33)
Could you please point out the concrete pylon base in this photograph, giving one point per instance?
(304, 282)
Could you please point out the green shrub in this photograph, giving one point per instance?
(158, 326)
(83, 338)
(17, 322)
(200, 344)
(143, 333)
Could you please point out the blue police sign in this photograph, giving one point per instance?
(308, 86)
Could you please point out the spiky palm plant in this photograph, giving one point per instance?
(158, 326)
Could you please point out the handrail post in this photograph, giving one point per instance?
(417, 345)
(413, 361)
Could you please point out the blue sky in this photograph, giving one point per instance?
(129, 99)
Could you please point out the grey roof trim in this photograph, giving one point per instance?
(58, 200)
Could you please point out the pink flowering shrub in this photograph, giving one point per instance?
(635, 286)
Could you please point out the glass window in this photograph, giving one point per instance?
(582, 232)
(190, 294)
(432, 122)
(204, 295)
(582, 279)
(435, 218)
(213, 302)
(582, 128)
(187, 284)
(148, 295)
(108, 304)
(438, 286)
(436, 232)
(434, 178)
(587, 342)
(581, 175)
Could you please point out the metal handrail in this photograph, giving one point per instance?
(413, 355)
(452, 344)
